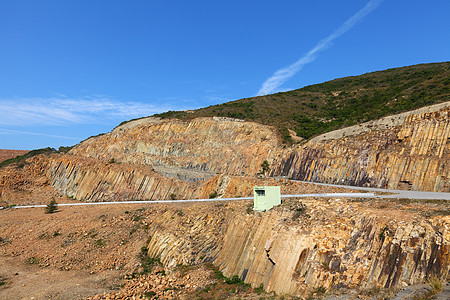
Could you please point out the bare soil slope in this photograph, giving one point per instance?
(7, 154)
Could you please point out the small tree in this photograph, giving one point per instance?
(51, 207)
(265, 167)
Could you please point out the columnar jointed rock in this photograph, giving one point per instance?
(90, 180)
(413, 155)
(331, 243)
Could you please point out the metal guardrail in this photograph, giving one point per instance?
(347, 195)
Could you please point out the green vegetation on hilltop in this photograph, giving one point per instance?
(339, 103)
(20, 159)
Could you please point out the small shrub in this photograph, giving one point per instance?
(2, 281)
(134, 229)
(233, 280)
(99, 243)
(435, 285)
(64, 149)
(3, 241)
(318, 292)
(260, 289)
(91, 233)
(184, 269)
(148, 262)
(219, 275)
(173, 196)
(373, 291)
(149, 294)
(33, 260)
(43, 236)
(382, 232)
(300, 210)
(51, 207)
(179, 212)
(265, 167)
(111, 161)
(213, 195)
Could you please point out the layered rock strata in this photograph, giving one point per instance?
(192, 150)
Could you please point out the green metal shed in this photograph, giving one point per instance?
(266, 197)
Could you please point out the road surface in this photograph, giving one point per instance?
(394, 193)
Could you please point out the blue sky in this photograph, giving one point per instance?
(71, 69)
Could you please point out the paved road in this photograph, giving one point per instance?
(396, 193)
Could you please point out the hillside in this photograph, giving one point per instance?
(339, 103)
(305, 247)
(8, 154)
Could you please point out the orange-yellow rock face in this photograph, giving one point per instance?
(411, 154)
(190, 150)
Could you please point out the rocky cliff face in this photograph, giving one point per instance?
(407, 151)
(193, 150)
(90, 180)
(163, 159)
(321, 243)
(159, 158)
(333, 251)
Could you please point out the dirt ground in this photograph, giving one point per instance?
(23, 281)
(83, 251)
(76, 252)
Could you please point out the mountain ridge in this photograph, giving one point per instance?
(339, 103)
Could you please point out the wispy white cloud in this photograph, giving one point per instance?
(63, 111)
(282, 75)
(21, 132)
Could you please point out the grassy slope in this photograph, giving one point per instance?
(339, 103)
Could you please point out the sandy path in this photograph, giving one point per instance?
(33, 282)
